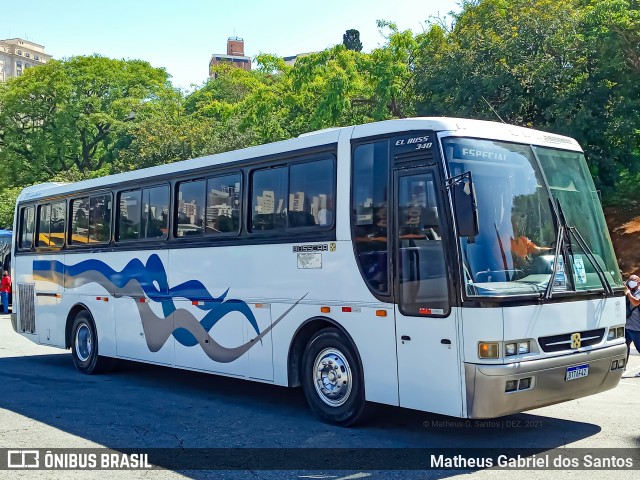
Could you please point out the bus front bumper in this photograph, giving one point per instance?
(486, 385)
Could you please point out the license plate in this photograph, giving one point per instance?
(578, 371)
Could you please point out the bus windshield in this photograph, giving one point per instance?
(513, 254)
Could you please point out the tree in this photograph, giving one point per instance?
(351, 40)
(567, 67)
(73, 112)
(7, 206)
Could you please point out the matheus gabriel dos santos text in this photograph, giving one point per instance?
(554, 461)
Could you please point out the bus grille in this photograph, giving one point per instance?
(26, 303)
(557, 343)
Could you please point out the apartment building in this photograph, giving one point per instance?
(16, 55)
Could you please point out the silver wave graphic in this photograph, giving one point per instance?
(157, 330)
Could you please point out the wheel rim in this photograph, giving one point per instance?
(83, 342)
(332, 377)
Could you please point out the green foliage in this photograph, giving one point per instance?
(568, 67)
(626, 191)
(72, 112)
(8, 198)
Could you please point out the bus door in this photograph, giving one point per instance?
(144, 330)
(426, 326)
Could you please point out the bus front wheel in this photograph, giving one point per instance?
(332, 378)
(84, 346)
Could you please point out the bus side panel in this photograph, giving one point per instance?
(95, 294)
(480, 325)
(336, 283)
(143, 313)
(47, 273)
(210, 315)
(373, 336)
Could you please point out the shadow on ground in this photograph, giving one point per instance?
(145, 406)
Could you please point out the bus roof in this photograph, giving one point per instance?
(453, 126)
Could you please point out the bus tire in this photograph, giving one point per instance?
(84, 346)
(332, 378)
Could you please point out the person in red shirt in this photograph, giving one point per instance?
(5, 289)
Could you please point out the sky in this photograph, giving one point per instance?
(182, 35)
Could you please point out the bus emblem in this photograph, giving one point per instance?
(575, 340)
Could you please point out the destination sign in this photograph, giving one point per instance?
(477, 154)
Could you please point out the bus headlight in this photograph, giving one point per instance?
(488, 349)
(516, 348)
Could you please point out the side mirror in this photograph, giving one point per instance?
(464, 205)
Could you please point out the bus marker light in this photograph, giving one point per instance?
(58, 295)
(381, 313)
(488, 349)
(346, 309)
(424, 311)
(105, 299)
(325, 309)
(98, 298)
(142, 300)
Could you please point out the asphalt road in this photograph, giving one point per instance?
(46, 403)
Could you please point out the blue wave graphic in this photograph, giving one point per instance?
(152, 278)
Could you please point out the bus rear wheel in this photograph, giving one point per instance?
(332, 378)
(84, 346)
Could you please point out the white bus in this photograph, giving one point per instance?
(453, 266)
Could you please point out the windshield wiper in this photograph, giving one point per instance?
(561, 237)
(564, 233)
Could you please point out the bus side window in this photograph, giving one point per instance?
(44, 224)
(269, 209)
(224, 197)
(129, 215)
(311, 194)
(27, 226)
(191, 206)
(155, 212)
(80, 221)
(58, 224)
(369, 213)
(100, 218)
